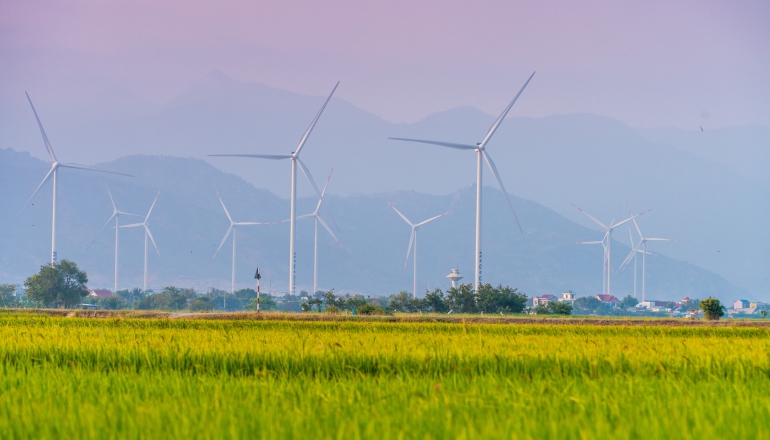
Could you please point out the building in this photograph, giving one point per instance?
(610, 300)
(741, 304)
(568, 296)
(544, 299)
(99, 293)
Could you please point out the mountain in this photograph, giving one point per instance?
(188, 223)
(712, 200)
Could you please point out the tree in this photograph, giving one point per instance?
(435, 302)
(266, 303)
(201, 303)
(500, 299)
(171, 298)
(62, 284)
(712, 309)
(462, 299)
(400, 302)
(113, 302)
(8, 295)
(629, 302)
(587, 305)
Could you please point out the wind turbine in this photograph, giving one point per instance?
(232, 229)
(318, 219)
(54, 171)
(413, 239)
(147, 234)
(115, 215)
(294, 157)
(607, 243)
(604, 261)
(480, 149)
(643, 245)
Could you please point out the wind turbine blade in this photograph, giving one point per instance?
(45, 179)
(630, 255)
(431, 219)
(590, 242)
(42, 131)
(323, 193)
(153, 205)
(302, 217)
(87, 168)
(309, 177)
(114, 208)
(409, 249)
(257, 156)
(589, 216)
(661, 239)
(227, 234)
(132, 225)
(312, 124)
(255, 223)
(443, 144)
(504, 114)
(493, 168)
(630, 237)
(225, 208)
(626, 220)
(151, 239)
(100, 230)
(399, 213)
(128, 213)
(323, 223)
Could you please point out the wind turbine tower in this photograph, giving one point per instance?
(481, 156)
(413, 240)
(295, 161)
(53, 174)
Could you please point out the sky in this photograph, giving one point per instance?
(681, 63)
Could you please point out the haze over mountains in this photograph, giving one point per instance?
(714, 201)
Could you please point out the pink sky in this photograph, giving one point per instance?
(652, 63)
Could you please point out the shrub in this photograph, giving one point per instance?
(371, 309)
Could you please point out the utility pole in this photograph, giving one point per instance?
(258, 276)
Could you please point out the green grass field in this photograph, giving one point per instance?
(159, 378)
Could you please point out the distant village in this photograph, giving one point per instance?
(684, 308)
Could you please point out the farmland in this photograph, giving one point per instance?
(125, 377)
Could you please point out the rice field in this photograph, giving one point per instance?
(65, 377)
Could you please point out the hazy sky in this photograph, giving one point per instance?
(650, 63)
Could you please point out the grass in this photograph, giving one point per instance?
(159, 378)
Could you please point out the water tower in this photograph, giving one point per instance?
(454, 277)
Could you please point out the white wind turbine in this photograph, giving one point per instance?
(607, 243)
(147, 234)
(315, 214)
(232, 228)
(54, 171)
(413, 240)
(633, 246)
(641, 247)
(481, 154)
(294, 157)
(115, 215)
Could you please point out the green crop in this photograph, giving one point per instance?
(161, 378)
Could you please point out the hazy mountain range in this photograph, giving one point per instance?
(706, 188)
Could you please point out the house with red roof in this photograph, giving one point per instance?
(99, 293)
(611, 300)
